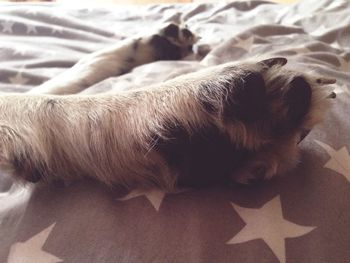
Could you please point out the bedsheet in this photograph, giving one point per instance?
(301, 217)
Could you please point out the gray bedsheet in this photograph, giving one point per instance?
(302, 217)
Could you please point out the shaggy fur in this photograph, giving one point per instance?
(238, 121)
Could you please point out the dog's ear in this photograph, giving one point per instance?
(280, 61)
(298, 99)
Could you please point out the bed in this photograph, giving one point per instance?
(301, 217)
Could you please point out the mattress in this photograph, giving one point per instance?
(303, 216)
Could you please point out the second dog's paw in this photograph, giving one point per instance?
(173, 42)
(178, 35)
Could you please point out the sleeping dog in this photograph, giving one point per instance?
(233, 122)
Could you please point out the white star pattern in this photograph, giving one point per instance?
(155, 197)
(336, 44)
(245, 44)
(339, 161)
(31, 250)
(57, 29)
(22, 50)
(7, 26)
(33, 11)
(267, 223)
(31, 29)
(18, 79)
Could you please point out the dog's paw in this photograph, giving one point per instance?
(279, 108)
(239, 122)
(266, 109)
(173, 42)
(179, 35)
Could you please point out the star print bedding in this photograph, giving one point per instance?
(302, 217)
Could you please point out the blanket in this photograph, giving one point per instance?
(301, 217)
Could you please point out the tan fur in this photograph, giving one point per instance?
(110, 137)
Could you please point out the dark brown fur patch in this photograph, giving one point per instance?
(247, 98)
(171, 30)
(298, 99)
(243, 99)
(186, 33)
(23, 167)
(164, 49)
(201, 160)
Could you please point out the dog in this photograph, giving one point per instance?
(240, 121)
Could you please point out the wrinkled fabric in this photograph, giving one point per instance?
(301, 217)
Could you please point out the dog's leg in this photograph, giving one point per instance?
(189, 130)
(116, 139)
(170, 43)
